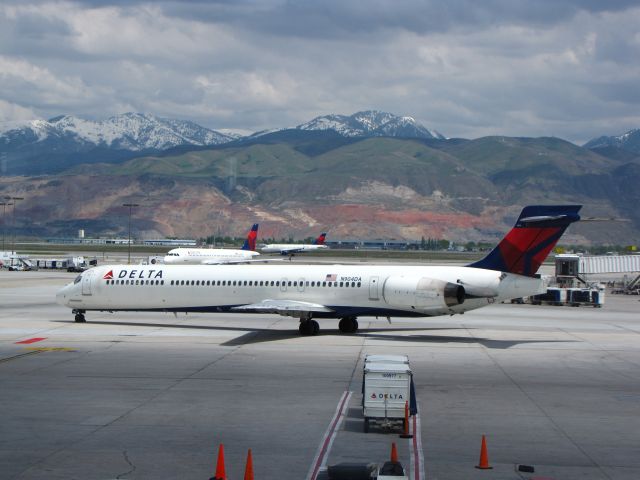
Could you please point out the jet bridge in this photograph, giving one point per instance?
(570, 267)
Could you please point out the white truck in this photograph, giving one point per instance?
(386, 388)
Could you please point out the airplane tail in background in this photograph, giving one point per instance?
(320, 239)
(526, 246)
(250, 242)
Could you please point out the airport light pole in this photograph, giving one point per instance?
(131, 207)
(13, 218)
(4, 221)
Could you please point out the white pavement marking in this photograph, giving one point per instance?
(320, 459)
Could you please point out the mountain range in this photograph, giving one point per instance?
(368, 175)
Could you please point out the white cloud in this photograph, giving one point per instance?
(12, 112)
(464, 68)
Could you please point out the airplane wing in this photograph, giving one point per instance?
(282, 307)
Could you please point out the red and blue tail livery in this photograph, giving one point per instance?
(250, 241)
(527, 245)
(320, 240)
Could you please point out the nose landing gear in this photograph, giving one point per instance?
(79, 318)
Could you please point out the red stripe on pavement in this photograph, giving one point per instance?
(31, 340)
(417, 457)
(329, 435)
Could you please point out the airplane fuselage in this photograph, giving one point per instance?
(345, 290)
(195, 256)
(287, 248)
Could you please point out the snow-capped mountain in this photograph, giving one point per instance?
(130, 131)
(371, 123)
(629, 141)
(39, 146)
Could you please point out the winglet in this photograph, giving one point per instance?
(250, 241)
(526, 246)
(320, 239)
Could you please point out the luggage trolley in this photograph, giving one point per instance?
(386, 387)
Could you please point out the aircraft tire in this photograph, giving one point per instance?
(366, 425)
(79, 318)
(348, 325)
(309, 327)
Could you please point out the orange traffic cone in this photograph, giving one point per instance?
(248, 470)
(405, 432)
(484, 458)
(220, 472)
(394, 453)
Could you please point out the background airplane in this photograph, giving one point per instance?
(331, 291)
(215, 256)
(293, 248)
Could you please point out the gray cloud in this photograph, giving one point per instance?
(465, 68)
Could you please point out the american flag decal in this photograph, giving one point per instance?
(331, 277)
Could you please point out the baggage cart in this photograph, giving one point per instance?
(386, 388)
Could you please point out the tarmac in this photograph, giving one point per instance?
(137, 395)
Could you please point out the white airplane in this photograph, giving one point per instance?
(330, 291)
(215, 256)
(293, 248)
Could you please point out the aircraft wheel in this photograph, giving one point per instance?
(315, 327)
(348, 325)
(366, 425)
(309, 327)
(79, 318)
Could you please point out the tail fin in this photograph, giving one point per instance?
(526, 246)
(250, 242)
(320, 239)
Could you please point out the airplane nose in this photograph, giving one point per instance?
(61, 296)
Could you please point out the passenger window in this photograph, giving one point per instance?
(341, 284)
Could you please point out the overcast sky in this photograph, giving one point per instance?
(466, 68)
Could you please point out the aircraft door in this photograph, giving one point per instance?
(301, 284)
(373, 288)
(87, 276)
(283, 284)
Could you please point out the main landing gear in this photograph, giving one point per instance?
(79, 318)
(308, 327)
(348, 324)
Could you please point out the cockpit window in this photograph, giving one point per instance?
(77, 280)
